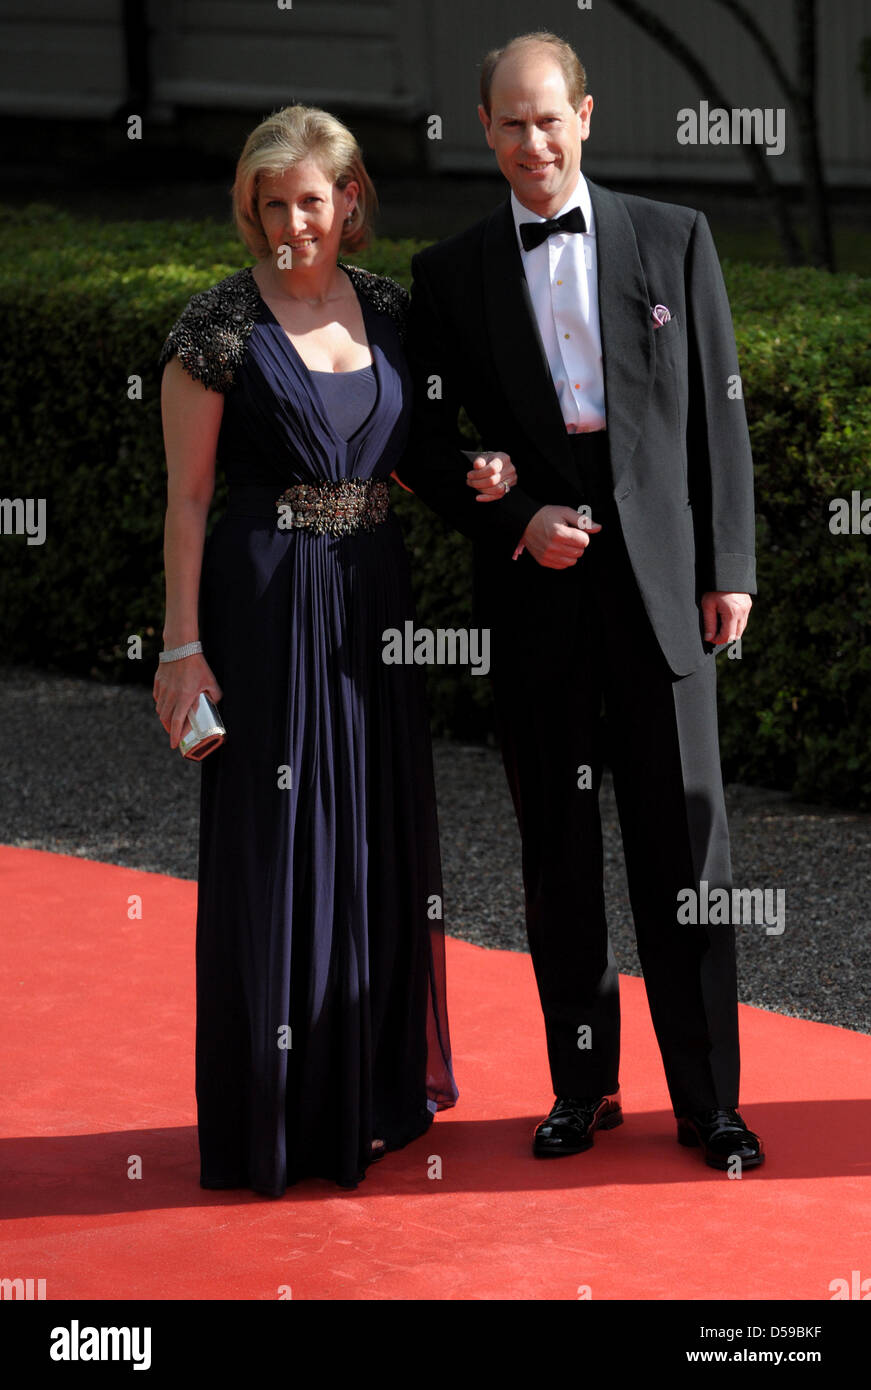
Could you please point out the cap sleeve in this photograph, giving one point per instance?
(210, 335)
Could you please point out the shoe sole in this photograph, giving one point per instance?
(610, 1122)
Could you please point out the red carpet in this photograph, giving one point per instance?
(97, 1032)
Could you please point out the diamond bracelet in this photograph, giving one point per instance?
(176, 654)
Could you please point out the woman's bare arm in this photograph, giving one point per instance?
(191, 422)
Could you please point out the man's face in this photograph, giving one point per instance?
(534, 131)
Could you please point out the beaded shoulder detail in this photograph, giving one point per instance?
(211, 333)
(386, 295)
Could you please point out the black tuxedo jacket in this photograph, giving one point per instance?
(679, 446)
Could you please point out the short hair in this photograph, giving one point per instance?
(562, 52)
(286, 138)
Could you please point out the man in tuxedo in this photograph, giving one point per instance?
(588, 336)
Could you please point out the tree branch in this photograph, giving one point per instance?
(747, 21)
(669, 39)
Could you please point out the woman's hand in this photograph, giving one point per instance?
(491, 474)
(177, 684)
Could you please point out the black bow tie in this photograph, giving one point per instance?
(532, 234)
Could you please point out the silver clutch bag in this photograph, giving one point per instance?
(205, 730)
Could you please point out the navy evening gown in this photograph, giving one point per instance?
(321, 1014)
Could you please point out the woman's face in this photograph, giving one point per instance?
(301, 209)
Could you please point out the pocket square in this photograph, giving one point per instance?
(660, 314)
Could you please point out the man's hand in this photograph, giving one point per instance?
(558, 536)
(491, 474)
(725, 615)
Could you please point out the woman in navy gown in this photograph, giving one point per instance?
(322, 1032)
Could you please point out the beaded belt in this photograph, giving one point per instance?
(326, 508)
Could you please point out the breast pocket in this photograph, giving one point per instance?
(669, 378)
(667, 334)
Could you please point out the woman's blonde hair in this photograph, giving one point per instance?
(283, 140)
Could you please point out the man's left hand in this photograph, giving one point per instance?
(491, 474)
(725, 615)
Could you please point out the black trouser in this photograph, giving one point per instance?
(622, 705)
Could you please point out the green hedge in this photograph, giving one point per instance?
(86, 305)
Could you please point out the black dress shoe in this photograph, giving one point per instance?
(571, 1124)
(723, 1135)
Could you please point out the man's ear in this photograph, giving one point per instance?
(487, 124)
(585, 110)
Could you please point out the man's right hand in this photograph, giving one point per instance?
(558, 536)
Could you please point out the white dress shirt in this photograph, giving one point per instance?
(562, 279)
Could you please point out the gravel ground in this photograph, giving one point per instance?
(86, 769)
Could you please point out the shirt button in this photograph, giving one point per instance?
(559, 282)
(567, 335)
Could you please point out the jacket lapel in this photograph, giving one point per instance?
(516, 343)
(626, 327)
